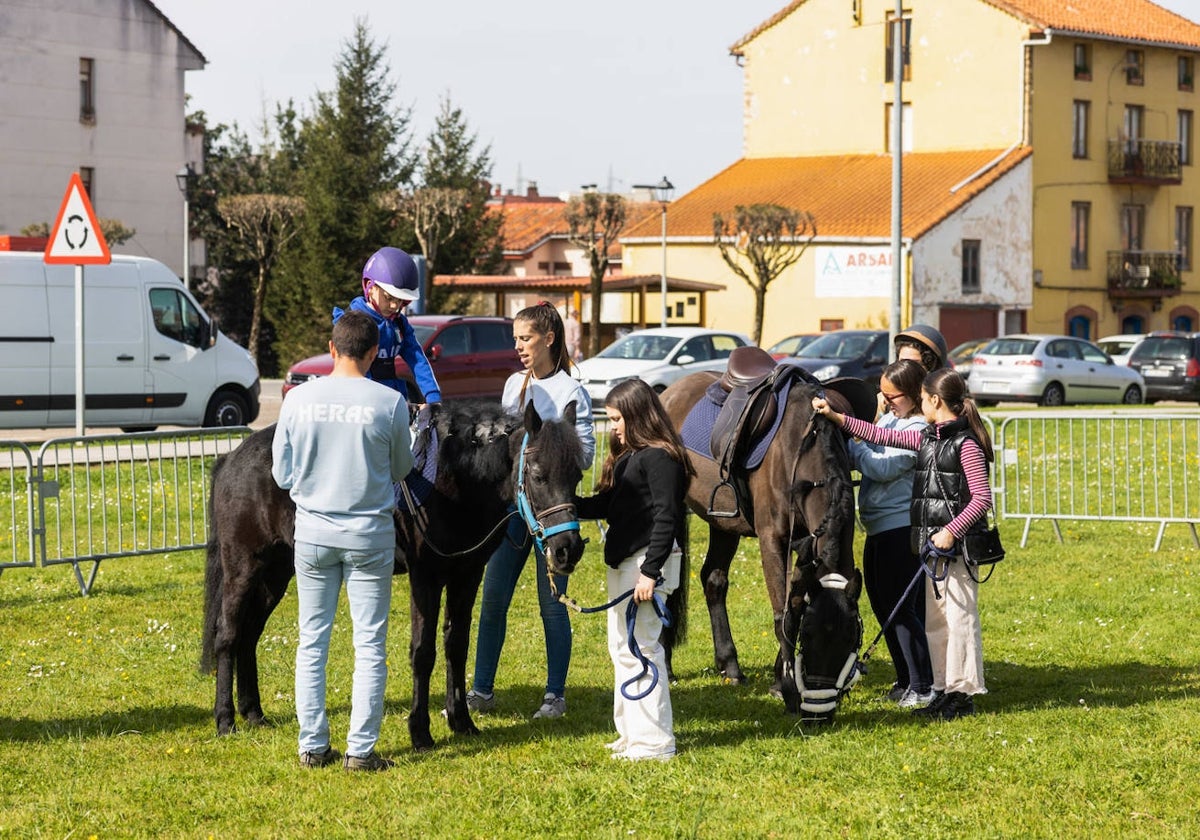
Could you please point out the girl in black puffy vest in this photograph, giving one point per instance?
(951, 494)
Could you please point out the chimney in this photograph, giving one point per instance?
(531, 190)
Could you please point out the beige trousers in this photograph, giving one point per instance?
(953, 630)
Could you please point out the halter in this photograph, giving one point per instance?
(825, 700)
(533, 519)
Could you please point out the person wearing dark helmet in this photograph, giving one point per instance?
(390, 283)
(922, 343)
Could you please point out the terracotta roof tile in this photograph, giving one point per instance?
(526, 225)
(1133, 20)
(850, 195)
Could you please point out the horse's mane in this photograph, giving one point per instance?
(474, 448)
(830, 442)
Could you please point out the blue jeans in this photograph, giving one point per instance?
(499, 582)
(320, 571)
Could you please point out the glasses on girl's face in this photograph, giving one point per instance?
(891, 399)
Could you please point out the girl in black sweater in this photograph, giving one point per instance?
(641, 494)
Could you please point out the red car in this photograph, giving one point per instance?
(472, 357)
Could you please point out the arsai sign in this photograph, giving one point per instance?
(850, 272)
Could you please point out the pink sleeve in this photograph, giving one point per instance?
(974, 467)
(899, 438)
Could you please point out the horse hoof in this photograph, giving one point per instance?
(422, 745)
(776, 691)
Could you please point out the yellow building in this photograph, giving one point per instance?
(1048, 182)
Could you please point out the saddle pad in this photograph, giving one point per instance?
(421, 479)
(698, 425)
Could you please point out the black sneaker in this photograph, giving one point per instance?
(371, 762)
(319, 759)
(932, 710)
(959, 705)
(896, 692)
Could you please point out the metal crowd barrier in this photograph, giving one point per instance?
(17, 544)
(1105, 465)
(99, 497)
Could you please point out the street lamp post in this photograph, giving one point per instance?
(184, 178)
(662, 192)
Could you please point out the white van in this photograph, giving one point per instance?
(152, 356)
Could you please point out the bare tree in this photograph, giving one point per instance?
(594, 221)
(264, 223)
(769, 238)
(435, 213)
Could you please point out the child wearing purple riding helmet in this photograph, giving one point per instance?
(389, 284)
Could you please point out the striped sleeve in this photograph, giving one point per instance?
(899, 438)
(974, 467)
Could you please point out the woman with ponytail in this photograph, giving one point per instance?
(547, 383)
(951, 494)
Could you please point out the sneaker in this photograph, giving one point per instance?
(932, 709)
(477, 701)
(319, 759)
(627, 756)
(552, 707)
(373, 761)
(896, 693)
(913, 699)
(959, 705)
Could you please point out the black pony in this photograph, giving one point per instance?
(482, 456)
(799, 500)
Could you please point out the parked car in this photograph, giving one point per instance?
(862, 354)
(1050, 370)
(792, 345)
(1170, 364)
(472, 357)
(961, 357)
(659, 356)
(1118, 346)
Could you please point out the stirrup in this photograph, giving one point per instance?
(712, 502)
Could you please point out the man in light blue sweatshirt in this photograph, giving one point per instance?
(342, 440)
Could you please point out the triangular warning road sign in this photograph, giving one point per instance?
(75, 238)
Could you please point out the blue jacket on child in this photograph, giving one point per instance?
(397, 339)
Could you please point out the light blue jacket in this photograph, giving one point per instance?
(885, 495)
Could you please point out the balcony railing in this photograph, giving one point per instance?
(1143, 274)
(1144, 162)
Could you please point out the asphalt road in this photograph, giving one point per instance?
(269, 400)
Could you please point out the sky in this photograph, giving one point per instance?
(566, 93)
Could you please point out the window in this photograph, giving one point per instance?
(699, 348)
(1135, 67)
(1133, 224)
(723, 345)
(970, 266)
(906, 128)
(831, 324)
(905, 47)
(1183, 237)
(1079, 143)
(1081, 212)
(176, 317)
(454, 341)
(1079, 326)
(1186, 71)
(1134, 120)
(1183, 323)
(1185, 138)
(491, 337)
(87, 174)
(87, 91)
(1083, 62)
(1132, 325)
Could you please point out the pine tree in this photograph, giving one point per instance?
(352, 151)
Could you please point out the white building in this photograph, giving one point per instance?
(97, 87)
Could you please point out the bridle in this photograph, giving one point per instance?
(534, 520)
(824, 701)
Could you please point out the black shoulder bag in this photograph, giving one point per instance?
(981, 546)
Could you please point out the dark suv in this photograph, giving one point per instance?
(471, 355)
(1170, 364)
(858, 353)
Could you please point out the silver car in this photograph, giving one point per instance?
(1050, 370)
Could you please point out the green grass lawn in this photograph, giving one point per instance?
(1090, 728)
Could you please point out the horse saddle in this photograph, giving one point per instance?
(755, 389)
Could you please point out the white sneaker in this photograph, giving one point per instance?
(913, 699)
(552, 707)
(479, 702)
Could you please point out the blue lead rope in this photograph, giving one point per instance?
(664, 614)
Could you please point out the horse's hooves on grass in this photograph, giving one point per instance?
(423, 745)
(776, 691)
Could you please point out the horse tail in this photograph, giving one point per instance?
(677, 601)
(214, 578)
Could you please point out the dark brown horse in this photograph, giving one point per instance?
(800, 499)
(447, 541)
